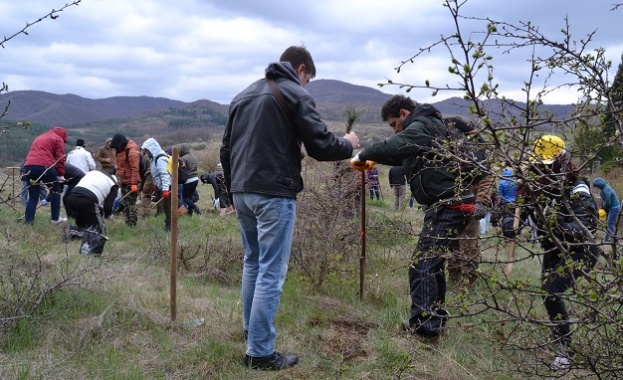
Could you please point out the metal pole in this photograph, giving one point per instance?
(174, 228)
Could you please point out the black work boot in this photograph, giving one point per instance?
(274, 362)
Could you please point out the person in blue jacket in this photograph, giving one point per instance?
(507, 189)
(610, 203)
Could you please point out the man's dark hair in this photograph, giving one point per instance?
(80, 142)
(392, 107)
(298, 55)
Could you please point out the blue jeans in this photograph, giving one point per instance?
(180, 198)
(613, 216)
(266, 226)
(24, 193)
(49, 179)
(188, 190)
(484, 223)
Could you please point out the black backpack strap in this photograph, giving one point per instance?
(279, 97)
(283, 106)
(160, 155)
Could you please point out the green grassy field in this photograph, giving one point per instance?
(110, 317)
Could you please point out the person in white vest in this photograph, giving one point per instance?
(92, 199)
(81, 158)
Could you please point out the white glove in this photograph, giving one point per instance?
(61, 179)
(215, 202)
(355, 159)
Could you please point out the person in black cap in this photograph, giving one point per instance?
(81, 158)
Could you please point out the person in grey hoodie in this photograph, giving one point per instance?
(160, 176)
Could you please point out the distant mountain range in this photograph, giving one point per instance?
(172, 121)
(331, 96)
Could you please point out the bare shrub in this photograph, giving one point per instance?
(326, 237)
(200, 145)
(205, 252)
(33, 269)
(208, 157)
(513, 306)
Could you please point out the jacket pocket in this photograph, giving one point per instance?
(291, 183)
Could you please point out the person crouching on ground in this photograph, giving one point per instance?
(160, 176)
(73, 175)
(211, 179)
(188, 162)
(92, 200)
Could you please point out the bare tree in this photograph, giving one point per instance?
(52, 15)
(515, 305)
(25, 281)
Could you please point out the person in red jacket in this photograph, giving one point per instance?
(128, 162)
(45, 166)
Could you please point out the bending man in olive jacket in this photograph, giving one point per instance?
(418, 146)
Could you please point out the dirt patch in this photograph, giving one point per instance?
(343, 334)
(343, 337)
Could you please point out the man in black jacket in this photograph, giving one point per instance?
(268, 123)
(419, 146)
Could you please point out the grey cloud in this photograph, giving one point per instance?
(198, 49)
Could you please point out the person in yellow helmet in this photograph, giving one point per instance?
(547, 148)
(603, 215)
(564, 201)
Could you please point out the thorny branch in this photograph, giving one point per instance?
(52, 15)
(510, 127)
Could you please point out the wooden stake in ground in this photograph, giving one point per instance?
(123, 197)
(174, 198)
(511, 249)
(362, 257)
(351, 115)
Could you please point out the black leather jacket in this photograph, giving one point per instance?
(261, 150)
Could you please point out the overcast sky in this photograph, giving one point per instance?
(211, 49)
